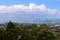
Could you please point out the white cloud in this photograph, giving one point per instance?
(42, 7)
(32, 11)
(52, 11)
(22, 8)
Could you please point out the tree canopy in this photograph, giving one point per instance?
(41, 32)
(10, 25)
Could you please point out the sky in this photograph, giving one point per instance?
(29, 11)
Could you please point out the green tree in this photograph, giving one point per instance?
(46, 35)
(10, 25)
(43, 32)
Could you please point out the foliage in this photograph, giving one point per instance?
(10, 25)
(22, 32)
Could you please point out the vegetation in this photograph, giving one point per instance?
(27, 32)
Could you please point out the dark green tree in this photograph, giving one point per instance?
(10, 25)
(46, 35)
(22, 32)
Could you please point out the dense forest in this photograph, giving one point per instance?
(27, 32)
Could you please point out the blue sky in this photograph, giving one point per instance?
(49, 3)
(29, 11)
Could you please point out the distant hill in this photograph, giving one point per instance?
(35, 21)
